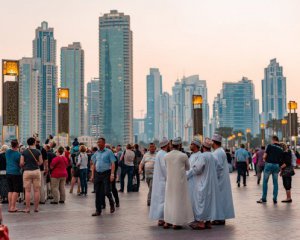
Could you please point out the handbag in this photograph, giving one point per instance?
(4, 232)
(288, 171)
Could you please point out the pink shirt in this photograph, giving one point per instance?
(59, 166)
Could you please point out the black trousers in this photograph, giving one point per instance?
(102, 188)
(241, 169)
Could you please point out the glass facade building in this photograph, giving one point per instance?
(93, 107)
(154, 92)
(237, 107)
(44, 48)
(116, 80)
(29, 102)
(72, 77)
(274, 101)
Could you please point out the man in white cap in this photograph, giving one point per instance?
(178, 208)
(224, 180)
(159, 184)
(204, 187)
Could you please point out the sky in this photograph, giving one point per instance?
(218, 40)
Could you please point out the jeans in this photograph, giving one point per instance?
(149, 183)
(270, 169)
(103, 188)
(241, 169)
(137, 175)
(129, 171)
(83, 180)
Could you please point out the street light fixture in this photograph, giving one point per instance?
(248, 131)
(284, 123)
(293, 121)
(262, 133)
(198, 116)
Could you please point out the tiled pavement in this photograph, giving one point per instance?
(73, 219)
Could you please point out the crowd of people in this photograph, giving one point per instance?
(191, 188)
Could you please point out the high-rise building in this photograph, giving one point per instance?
(93, 107)
(154, 92)
(116, 78)
(236, 107)
(182, 106)
(273, 92)
(165, 116)
(44, 48)
(29, 101)
(72, 77)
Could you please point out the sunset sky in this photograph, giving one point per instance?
(217, 39)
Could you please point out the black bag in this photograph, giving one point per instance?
(288, 171)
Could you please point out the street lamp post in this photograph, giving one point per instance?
(198, 116)
(239, 139)
(248, 131)
(284, 123)
(293, 121)
(262, 133)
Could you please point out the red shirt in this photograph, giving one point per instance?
(59, 166)
(67, 155)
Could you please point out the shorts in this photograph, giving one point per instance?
(15, 183)
(287, 183)
(32, 177)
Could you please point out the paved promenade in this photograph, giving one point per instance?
(73, 219)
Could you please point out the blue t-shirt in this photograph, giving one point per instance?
(103, 159)
(13, 162)
(241, 155)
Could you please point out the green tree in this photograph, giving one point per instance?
(225, 132)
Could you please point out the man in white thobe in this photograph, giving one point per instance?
(204, 187)
(159, 184)
(223, 179)
(178, 208)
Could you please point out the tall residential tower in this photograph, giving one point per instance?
(72, 77)
(154, 92)
(273, 92)
(116, 78)
(44, 48)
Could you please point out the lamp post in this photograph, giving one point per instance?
(284, 123)
(293, 121)
(262, 133)
(198, 116)
(239, 139)
(248, 131)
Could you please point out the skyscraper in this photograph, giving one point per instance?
(44, 48)
(236, 106)
(154, 92)
(93, 107)
(273, 92)
(165, 116)
(116, 78)
(183, 108)
(72, 77)
(29, 101)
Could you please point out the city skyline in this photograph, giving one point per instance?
(221, 43)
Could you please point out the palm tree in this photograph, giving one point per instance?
(225, 132)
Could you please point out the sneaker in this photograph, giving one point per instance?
(261, 201)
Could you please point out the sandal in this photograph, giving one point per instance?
(36, 210)
(13, 211)
(161, 223)
(167, 225)
(26, 211)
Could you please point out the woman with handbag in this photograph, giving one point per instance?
(30, 161)
(59, 174)
(287, 171)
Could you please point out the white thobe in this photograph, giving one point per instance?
(224, 183)
(158, 187)
(204, 187)
(178, 206)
